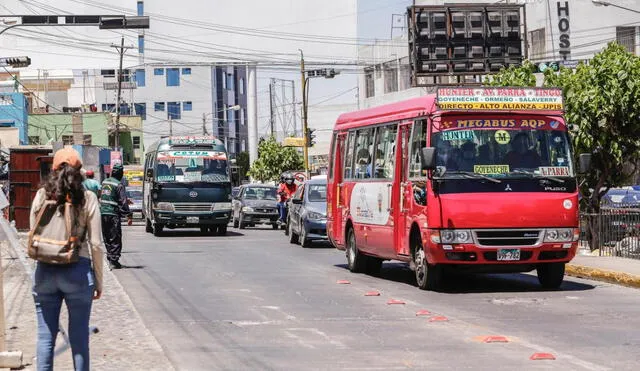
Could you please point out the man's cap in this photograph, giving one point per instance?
(67, 156)
(89, 173)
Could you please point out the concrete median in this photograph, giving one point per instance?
(599, 274)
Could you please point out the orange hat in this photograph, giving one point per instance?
(67, 156)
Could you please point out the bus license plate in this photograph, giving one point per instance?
(508, 254)
(193, 220)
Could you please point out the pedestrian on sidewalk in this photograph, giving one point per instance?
(90, 184)
(77, 283)
(114, 206)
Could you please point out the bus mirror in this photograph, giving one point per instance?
(584, 163)
(150, 173)
(428, 158)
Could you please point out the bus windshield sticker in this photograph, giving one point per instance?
(166, 178)
(192, 176)
(502, 136)
(192, 140)
(491, 169)
(554, 171)
(205, 154)
(458, 135)
(500, 99)
(370, 203)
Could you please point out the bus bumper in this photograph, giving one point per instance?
(178, 220)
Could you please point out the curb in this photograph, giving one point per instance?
(619, 278)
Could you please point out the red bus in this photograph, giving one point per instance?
(470, 179)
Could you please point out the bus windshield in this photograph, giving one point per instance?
(192, 166)
(503, 153)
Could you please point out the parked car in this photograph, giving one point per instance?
(134, 195)
(255, 204)
(307, 218)
(619, 211)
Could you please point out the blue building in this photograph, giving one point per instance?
(14, 113)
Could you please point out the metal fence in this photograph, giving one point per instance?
(618, 232)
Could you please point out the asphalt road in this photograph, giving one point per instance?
(252, 301)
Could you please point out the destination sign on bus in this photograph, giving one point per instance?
(187, 154)
(500, 99)
(501, 123)
(193, 140)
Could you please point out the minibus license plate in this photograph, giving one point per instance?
(193, 220)
(508, 254)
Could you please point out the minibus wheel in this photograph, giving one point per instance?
(157, 229)
(355, 260)
(428, 276)
(550, 275)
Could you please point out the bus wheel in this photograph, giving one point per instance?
(428, 276)
(374, 265)
(157, 229)
(551, 275)
(222, 230)
(356, 261)
(148, 228)
(204, 230)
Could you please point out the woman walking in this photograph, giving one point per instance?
(77, 283)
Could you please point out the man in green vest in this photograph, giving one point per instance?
(113, 206)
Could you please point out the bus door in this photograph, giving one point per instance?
(338, 204)
(402, 202)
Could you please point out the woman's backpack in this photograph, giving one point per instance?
(55, 238)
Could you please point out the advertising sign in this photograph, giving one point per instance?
(116, 158)
(500, 99)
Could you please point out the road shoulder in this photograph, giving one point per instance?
(614, 270)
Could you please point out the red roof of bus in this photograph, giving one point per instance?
(406, 109)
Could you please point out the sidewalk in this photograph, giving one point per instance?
(616, 270)
(122, 343)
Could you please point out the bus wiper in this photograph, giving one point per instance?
(470, 174)
(537, 176)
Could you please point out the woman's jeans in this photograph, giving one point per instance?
(74, 284)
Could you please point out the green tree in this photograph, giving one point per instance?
(242, 161)
(274, 159)
(602, 105)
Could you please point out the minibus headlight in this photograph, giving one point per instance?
(559, 235)
(164, 206)
(455, 236)
(221, 206)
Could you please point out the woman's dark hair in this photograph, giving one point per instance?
(63, 184)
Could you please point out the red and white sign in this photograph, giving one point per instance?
(554, 171)
(116, 158)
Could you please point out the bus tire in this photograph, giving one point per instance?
(355, 260)
(428, 276)
(157, 229)
(550, 275)
(221, 230)
(148, 227)
(374, 265)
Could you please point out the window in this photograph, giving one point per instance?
(141, 44)
(186, 71)
(107, 72)
(86, 139)
(390, 77)
(241, 85)
(136, 142)
(173, 77)
(140, 77)
(158, 106)
(363, 150)
(626, 36)
(109, 107)
(243, 145)
(230, 81)
(385, 151)
(67, 140)
(418, 141)
(125, 109)
(34, 140)
(224, 81)
(141, 110)
(538, 45)
(369, 85)
(186, 106)
(173, 110)
(348, 158)
(332, 155)
(140, 8)
(158, 71)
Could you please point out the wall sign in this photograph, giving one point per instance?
(564, 28)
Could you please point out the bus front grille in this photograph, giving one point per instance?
(510, 237)
(192, 207)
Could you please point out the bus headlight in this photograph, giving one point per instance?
(560, 235)
(221, 206)
(453, 236)
(165, 206)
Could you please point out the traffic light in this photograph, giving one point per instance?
(464, 39)
(310, 137)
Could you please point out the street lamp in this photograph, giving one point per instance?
(606, 3)
(236, 107)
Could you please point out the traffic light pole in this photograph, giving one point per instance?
(304, 115)
(121, 50)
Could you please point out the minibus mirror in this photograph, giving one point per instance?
(584, 163)
(428, 158)
(150, 173)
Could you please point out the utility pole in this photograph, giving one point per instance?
(304, 115)
(271, 113)
(204, 124)
(121, 50)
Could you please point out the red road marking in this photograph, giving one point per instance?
(495, 339)
(372, 293)
(422, 312)
(343, 282)
(542, 356)
(394, 301)
(438, 319)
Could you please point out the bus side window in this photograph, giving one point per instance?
(348, 157)
(418, 141)
(363, 150)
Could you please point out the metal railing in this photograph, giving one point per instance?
(617, 228)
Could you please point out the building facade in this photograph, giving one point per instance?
(13, 114)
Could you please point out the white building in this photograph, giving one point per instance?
(556, 30)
